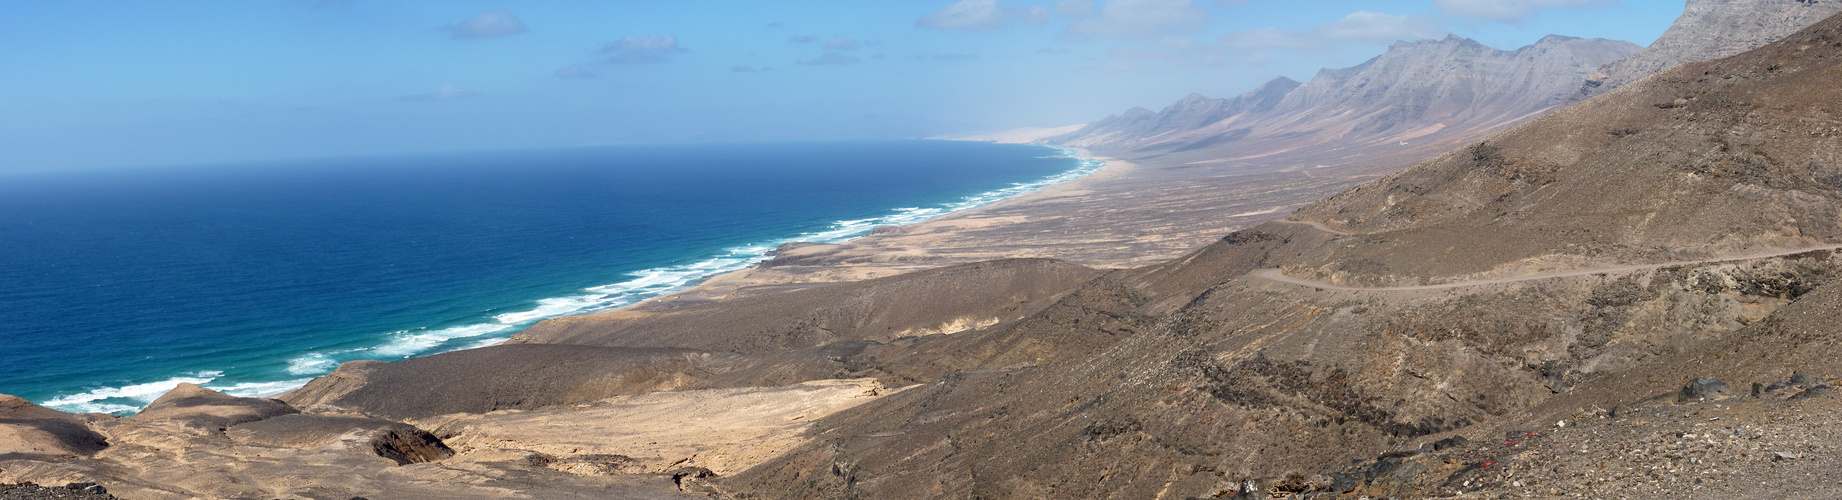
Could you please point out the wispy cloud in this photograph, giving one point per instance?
(831, 59)
(978, 15)
(842, 43)
(443, 94)
(574, 71)
(1140, 19)
(1074, 8)
(946, 57)
(1358, 27)
(1509, 11)
(642, 49)
(488, 25)
(749, 69)
(1256, 47)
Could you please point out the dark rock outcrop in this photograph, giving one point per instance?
(397, 441)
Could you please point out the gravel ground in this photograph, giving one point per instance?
(74, 491)
(1785, 442)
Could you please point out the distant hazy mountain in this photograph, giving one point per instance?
(1713, 29)
(1414, 92)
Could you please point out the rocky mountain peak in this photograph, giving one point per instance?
(1688, 162)
(1713, 29)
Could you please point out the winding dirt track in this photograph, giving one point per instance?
(1276, 276)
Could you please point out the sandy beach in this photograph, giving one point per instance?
(1124, 215)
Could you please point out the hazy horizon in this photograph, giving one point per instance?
(216, 82)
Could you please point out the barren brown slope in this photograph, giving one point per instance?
(1772, 434)
(958, 298)
(1728, 157)
(1236, 377)
(823, 332)
(1203, 167)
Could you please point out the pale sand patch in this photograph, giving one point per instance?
(724, 430)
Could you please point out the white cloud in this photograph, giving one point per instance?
(1253, 47)
(442, 94)
(1380, 29)
(488, 25)
(1271, 38)
(969, 15)
(1140, 19)
(842, 43)
(1034, 14)
(574, 71)
(1509, 11)
(978, 15)
(642, 49)
(1358, 27)
(831, 59)
(1074, 8)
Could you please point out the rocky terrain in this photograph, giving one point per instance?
(1178, 179)
(1417, 94)
(1229, 376)
(1638, 296)
(1712, 29)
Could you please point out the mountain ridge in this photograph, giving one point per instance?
(1711, 29)
(1414, 90)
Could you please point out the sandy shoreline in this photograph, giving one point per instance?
(1126, 214)
(887, 251)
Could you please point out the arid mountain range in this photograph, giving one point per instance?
(1417, 92)
(1526, 315)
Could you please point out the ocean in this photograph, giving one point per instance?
(116, 285)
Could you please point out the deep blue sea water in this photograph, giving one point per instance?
(251, 279)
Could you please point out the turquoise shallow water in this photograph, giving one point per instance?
(251, 279)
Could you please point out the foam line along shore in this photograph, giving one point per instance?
(495, 326)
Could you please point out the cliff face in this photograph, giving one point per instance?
(1414, 92)
(1712, 29)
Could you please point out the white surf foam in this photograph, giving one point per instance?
(654, 282)
(312, 364)
(408, 343)
(260, 389)
(645, 284)
(127, 398)
(664, 280)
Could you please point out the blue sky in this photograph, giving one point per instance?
(96, 84)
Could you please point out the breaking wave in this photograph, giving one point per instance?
(495, 328)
